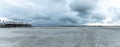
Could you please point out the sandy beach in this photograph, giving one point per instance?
(60, 37)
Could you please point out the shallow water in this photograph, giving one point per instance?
(60, 37)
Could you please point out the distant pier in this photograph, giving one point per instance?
(7, 24)
(17, 25)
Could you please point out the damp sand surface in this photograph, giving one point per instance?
(60, 37)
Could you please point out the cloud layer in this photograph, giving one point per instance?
(61, 12)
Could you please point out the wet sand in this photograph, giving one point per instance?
(60, 37)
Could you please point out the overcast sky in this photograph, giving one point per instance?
(62, 12)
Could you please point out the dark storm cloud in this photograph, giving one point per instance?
(85, 10)
(83, 6)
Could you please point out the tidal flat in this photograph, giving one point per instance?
(60, 37)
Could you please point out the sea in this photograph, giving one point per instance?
(60, 37)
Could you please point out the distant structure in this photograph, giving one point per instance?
(6, 24)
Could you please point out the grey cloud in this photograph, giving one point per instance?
(98, 17)
(85, 10)
(52, 12)
(83, 6)
(48, 15)
(69, 20)
(116, 15)
(116, 11)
